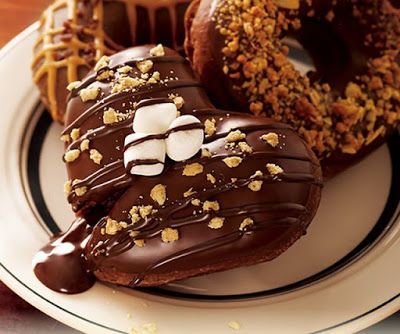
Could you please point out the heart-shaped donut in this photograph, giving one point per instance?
(244, 197)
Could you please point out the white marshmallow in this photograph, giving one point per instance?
(149, 149)
(154, 118)
(182, 145)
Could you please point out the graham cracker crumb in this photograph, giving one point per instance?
(145, 210)
(216, 223)
(84, 145)
(235, 136)
(209, 127)
(157, 51)
(193, 169)
(244, 147)
(274, 169)
(139, 242)
(89, 94)
(271, 138)
(234, 325)
(211, 178)
(65, 138)
(195, 202)
(75, 133)
(74, 84)
(144, 66)
(105, 75)
(211, 205)
(169, 235)
(80, 191)
(113, 226)
(110, 116)
(125, 69)
(102, 63)
(255, 185)
(71, 155)
(232, 162)
(246, 222)
(67, 187)
(96, 156)
(159, 194)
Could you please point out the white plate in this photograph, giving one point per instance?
(342, 277)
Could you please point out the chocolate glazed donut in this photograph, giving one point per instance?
(74, 34)
(345, 109)
(248, 194)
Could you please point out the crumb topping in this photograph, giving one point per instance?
(71, 155)
(216, 223)
(193, 169)
(84, 145)
(95, 156)
(271, 138)
(209, 126)
(255, 185)
(89, 94)
(232, 162)
(157, 51)
(211, 206)
(159, 194)
(246, 222)
(211, 178)
(234, 136)
(274, 169)
(169, 235)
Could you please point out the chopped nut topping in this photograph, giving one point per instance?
(65, 138)
(88, 94)
(75, 133)
(103, 62)
(72, 85)
(68, 187)
(157, 51)
(159, 194)
(169, 235)
(246, 222)
(189, 193)
(71, 155)
(144, 66)
(216, 223)
(205, 153)
(124, 69)
(113, 226)
(211, 178)
(255, 185)
(211, 205)
(84, 145)
(80, 191)
(271, 138)
(193, 169)
(232, 162)
(139, 242)
(235, 136)
(234, 325)
(274, 169)
(209, 127)
(96, 156)
(288, 4)
(195, 202)
(244, 147)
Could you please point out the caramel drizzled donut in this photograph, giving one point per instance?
(248, 194)
(75, 34)
(344, 109)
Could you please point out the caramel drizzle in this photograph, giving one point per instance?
(101, 43)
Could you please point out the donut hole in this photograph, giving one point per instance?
(335, 49)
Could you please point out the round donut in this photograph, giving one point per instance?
(75, 34)
(345, 108)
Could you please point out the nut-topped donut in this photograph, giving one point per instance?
(173, 187)
(75, 34)
(344, 109)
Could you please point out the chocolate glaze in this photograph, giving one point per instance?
(281, 210)
(61, 264)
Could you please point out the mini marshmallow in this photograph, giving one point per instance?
(148, 149)
(154, 118)
(182, 145)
